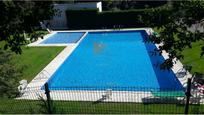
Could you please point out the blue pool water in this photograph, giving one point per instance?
(63, 38)
(114, 60)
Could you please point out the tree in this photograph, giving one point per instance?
(18, 17)
(9, 74)
(130, 4)
(175, 21)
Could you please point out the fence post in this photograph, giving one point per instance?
(47, 92)
(188, 94)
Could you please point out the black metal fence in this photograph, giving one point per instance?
(104, 100)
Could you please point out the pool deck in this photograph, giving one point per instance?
(33, 90)
(97, 96)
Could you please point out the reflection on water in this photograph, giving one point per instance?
(98, 47)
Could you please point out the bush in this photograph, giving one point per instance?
(9, 75)
(91, 19)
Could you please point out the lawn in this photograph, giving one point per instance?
(34, 59)
(29, 106)
(192, 57)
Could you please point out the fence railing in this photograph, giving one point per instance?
(104, 100)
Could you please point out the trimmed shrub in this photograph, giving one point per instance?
(92, 19)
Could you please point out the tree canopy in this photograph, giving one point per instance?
(175, 21)
(130, 4)
(18, 17)
(9, 75)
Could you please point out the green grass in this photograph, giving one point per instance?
(28, 106)
(116, 108)
(34, 59)
(122, 108)
(192, 57)
(10, 106)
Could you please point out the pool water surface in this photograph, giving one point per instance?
(114, 60)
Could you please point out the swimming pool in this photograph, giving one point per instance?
(63, 38)
(113, 60)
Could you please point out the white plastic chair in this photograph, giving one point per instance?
(23, 84)
(108, 94)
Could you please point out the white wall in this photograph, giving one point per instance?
(59, 21)
(99, 6)
(198, 27)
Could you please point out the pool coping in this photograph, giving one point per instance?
(39, 81)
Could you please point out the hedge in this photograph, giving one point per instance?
(91, 19)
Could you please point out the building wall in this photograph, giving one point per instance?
(59, 21)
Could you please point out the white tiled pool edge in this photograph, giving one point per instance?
(86, 95)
